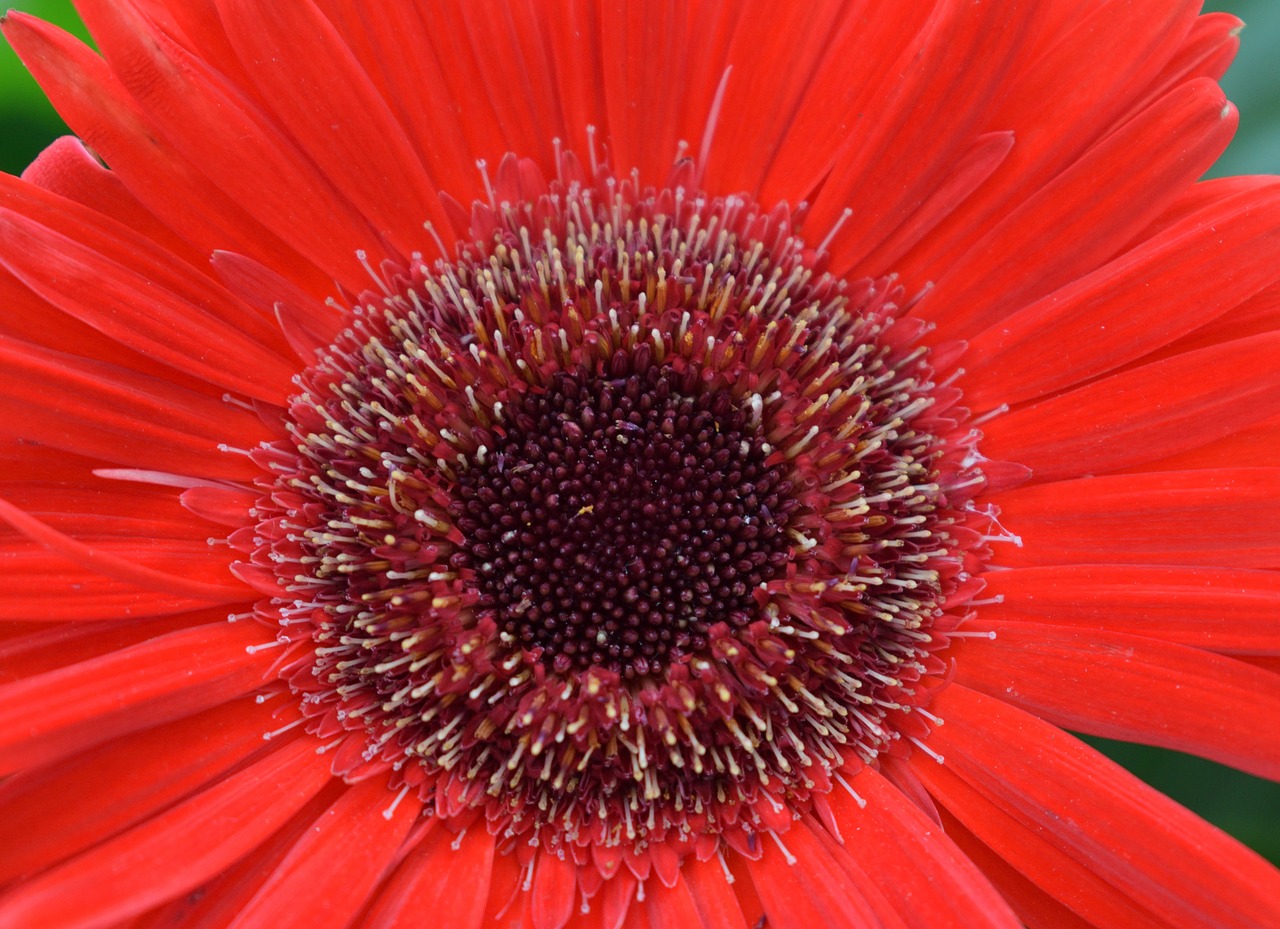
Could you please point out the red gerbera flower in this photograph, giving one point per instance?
(704, 514)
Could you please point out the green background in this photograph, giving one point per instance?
(1245, 806)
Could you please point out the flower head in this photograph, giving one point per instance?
(699, 533)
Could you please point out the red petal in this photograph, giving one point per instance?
(555, 881)
(761, 95)
(1073, 219)
(100, 559)
(1161, 855)
(817, 888)
(437, 871)
(32, 648)
(1034, 905)
(93, 102)
(328, 876)
(44, 587)
(647, 49)
(121, 784)
(1207, 50)
(29, 318)
(1143, 413)
(104, 412)
(930, 881)
(857, 83)
(1135, 304)
(70, 170)
(118, 299)
(123, 246)
(969, 171)
(527, 122)
(714, 894)
(175, 851)
(1253, 447)
(1220, 609)
(618, 900)
(1257, 315)
(446, 131)
(674, 907)
(1169, 517)
(210, 121)
(215, 903)
(1128, 687)
(300, 64)
(65, 711)
(307, 324)
(923, 114)
(1135, 41)
(226, 506)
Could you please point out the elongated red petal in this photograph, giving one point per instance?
(1129, 687)
(674, 907)
(1230, 610)
(297, 60)
(714, 894)
(443, 866)
(922, 873)
(814, 887)
(1135, 41)
(95, 104)
(122, 783)
(44, 587)
(804, 36)
(104, 561)
(353, 839)
(69, 169)
(46, 647)
(210, 121)
(1046, 888)
(1161, 855)
(1144, 299)
(61, 712)
(130, 420)
(652, 47)
(552, 895)
(127, 306)
(1143, 413)
(945, 118)
(1170, 517)
(1073, 219)
(194, 840)
(214, 903)
(868, 61)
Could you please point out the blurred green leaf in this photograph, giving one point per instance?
(27, 122)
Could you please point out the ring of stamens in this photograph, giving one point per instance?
(465, 626)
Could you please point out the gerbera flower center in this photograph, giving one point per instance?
(621, 516)
(628, 527)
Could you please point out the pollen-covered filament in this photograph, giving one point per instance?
(626, 528)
